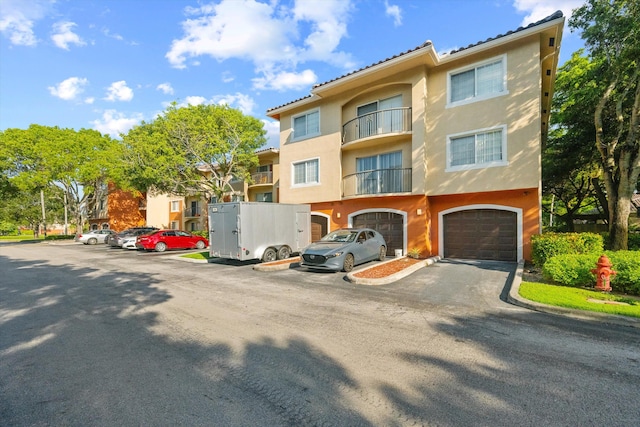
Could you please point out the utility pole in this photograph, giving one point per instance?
(44, 218)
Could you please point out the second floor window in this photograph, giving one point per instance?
(175, 206)
(475, 150)
(306, 125)
(485, 80)
(306, 172)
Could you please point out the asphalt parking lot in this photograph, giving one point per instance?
(91, 335)
(466, 285)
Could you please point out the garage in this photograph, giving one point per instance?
(487, 234)
(389, 224)
(318, 227)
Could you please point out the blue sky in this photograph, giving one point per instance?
(108, 64)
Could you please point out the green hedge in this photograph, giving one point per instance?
(547, 245)
(575, 270)
(60, 237)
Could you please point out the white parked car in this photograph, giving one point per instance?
(94, 237)
(129, 242)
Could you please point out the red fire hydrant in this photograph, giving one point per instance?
(603, 274)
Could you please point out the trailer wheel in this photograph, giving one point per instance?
(284, 252)
(269, 254)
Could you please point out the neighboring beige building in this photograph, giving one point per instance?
(438, 152)
(190, 213)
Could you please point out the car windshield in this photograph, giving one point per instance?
(340, 236)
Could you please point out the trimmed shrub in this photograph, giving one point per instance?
(575, 270)
(60, 237)
(545, 246)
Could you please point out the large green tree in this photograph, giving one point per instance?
(611, 31)
(40, 158)
(570, 165)
(194, 150)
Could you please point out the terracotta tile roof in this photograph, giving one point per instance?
(556, 15)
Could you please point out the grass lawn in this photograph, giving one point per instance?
(581, 299)
(198, 255)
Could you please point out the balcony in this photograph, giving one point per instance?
(382, 122)
(192, 212)
(262, 178)
(380, 181)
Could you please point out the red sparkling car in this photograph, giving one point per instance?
(162, 240)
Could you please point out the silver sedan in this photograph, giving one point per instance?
(343, 249)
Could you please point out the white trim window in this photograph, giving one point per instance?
(175, 206)
(306, 172)
(481, 81)
(306, 125)
(477, 149)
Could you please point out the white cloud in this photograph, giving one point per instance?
(194, 100)
(119, 91)
(114, 123)
(89, 100)
(69, 89)
(540, 9)
(273, 133)
(395, 12)
(285, 80)
(165, 88)
(18, 17)
(64, 36)
(242, 102)
(271, 36)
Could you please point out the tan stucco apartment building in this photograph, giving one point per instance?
(440, 152)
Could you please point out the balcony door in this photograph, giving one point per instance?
(379, 174)
(379, 117)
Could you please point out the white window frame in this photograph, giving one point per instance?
(306, 135)
(171, 204)
(505, 91)
(293, 173)
(496, 163)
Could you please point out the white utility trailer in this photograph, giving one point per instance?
(256, 230)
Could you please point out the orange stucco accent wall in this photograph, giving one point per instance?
(526, 199)
(422, 213)
(124, 210)
(416, 209)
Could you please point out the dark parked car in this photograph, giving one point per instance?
(116, 240)
(343, 249)
(161, 240)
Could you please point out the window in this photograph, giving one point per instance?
(306, 125)
(380, 174)
(175, 206)
(483, 81)
(306, 172)
(484, 148)
(264, 197)
(380, 117)
(174, 225)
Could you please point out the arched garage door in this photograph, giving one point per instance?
(389, 224)
(318, 227)
(489, 234)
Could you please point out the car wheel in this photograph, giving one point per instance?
(347, 266)
(92, 241)
(161, 247)
(284, 252)
(200, 244)
(269, 254)
(383, 253)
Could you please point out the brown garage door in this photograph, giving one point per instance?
(388, 224)
(318, 227)
(481, 234)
